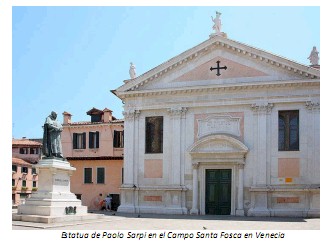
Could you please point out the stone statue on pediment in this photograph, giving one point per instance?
(314, 56)
(132, 72)
(217, 23)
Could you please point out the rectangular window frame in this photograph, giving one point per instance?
(14, 168)
(25, 170)
(118, 139)
(284, 131)
(98, 181)
(158, 149)
(94, 139)
(91, 176)
(79, 141)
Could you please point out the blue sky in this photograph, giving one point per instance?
(69, 58)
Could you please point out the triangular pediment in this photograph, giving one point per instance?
(229, 69)
(244, 63)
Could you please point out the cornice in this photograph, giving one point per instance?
(220, 88)
(214, 43)
(92, 125)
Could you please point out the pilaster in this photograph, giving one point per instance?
(261, 111)
(128, 197)
(176, 114)
(194, 209)
(240, 192)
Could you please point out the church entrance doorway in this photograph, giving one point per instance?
(218, 191)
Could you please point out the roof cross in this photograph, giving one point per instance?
(218, 68)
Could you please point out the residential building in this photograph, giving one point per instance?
(95, 149)
(223, 128)
(27, 149)
(25, 154)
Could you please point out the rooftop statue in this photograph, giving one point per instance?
(52, 146)
(132, 72)
(314, 56)
(217, 23)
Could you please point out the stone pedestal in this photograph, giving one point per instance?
(53, 202)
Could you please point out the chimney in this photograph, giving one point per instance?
(107, 115)
(66, 117)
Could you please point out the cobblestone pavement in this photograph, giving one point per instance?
(117, 221)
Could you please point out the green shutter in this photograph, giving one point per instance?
(84, 141)
(74, 141)
(90, 139)
(97, 139)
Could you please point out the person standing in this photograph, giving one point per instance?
(108, 200)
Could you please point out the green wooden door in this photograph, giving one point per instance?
(218, 191)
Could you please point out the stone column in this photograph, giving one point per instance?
(259, 198)
(194, 209)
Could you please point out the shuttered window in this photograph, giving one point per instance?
(94, 138)
(79, 141)
(100, 175)
(88, 175)
(118, 139)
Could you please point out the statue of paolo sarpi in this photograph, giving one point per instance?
(52, 146)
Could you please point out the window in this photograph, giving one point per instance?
(23, 183)
(154, 134)
(13, 182)
(25, 170)
(23, 150)
(288, 130)
(34, 150)
(94, 139)
(34, 184)
(88, 176)
(79, 140)
(118, 139)
(96, 118)
(100, 175)
(34, 171)
(14, 167)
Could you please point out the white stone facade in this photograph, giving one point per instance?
(222, 122)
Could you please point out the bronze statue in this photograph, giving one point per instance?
(52, 146)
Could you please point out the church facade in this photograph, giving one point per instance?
(223, 128)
